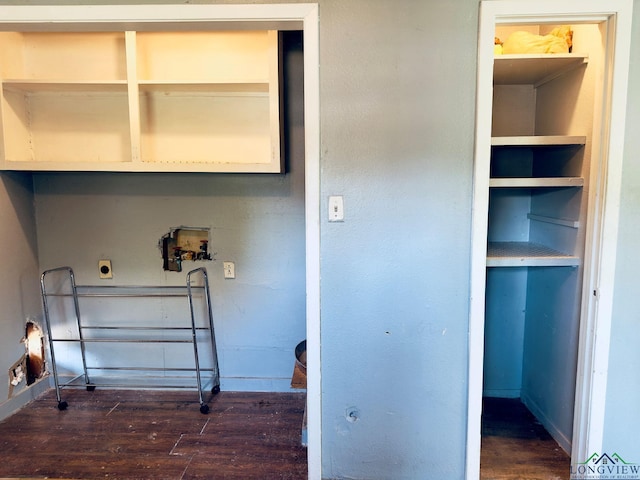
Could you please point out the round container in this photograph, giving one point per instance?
(301, 356)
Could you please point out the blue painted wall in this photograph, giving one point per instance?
(397, 118)
(504, 332)
(19, 290)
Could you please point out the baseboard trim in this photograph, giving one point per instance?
(504, 393)
(563, 440)
(279, 385)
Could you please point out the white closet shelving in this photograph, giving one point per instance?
(528, 168)
(538, 141)
(140, 101)
(533, 312)
(527, 254)
(540, 168)
(534, 69)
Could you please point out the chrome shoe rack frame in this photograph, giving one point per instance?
(87, 334)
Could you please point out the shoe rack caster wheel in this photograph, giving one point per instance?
(62, 405)
(215, 390)
(204, 409)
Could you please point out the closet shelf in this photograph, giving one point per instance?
(212, 88)
(527, 254)
(554, 221)
(63, 86)
(536, 182)
(530, 69)
(538, 140)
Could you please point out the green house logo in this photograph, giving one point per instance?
(605, 467)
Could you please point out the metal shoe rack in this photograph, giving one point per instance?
(61, 298)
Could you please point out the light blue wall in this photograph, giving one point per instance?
(397, 117)
(19, 294)
(550, 348)
(622, 420)
(255, 221)
(504, 331)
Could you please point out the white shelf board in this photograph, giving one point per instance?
(527, 254)
(63, 86)
(258, 88)
(537, 182)
(118, 165)
(538, 140)
(530, 69)
(554, 221)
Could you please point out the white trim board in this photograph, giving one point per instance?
(302, 16)
(602, 233)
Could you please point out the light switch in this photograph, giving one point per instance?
(336, 208)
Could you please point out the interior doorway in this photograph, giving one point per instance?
(547, 169)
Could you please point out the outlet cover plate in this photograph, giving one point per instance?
(229, 269)
(104, 269)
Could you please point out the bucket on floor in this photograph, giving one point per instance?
(301, 356)
(299, 378)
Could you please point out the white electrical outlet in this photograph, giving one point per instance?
(229, 269)
(104, 269)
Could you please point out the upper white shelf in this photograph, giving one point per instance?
(536, 182)
(149, 101)
(534, 69)
(213, 88)
(538, 140)
(53, 86)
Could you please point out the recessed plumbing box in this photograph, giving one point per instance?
(184, 244)
(104, 269)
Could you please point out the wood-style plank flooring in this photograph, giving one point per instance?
(515, 446)
(128, 434)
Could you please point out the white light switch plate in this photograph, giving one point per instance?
(336, 208)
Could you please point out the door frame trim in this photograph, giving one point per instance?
(599, 276)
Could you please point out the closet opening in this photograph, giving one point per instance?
(544, 81)
(545, 157)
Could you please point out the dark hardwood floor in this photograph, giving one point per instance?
(515, 446)
(128, 434)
